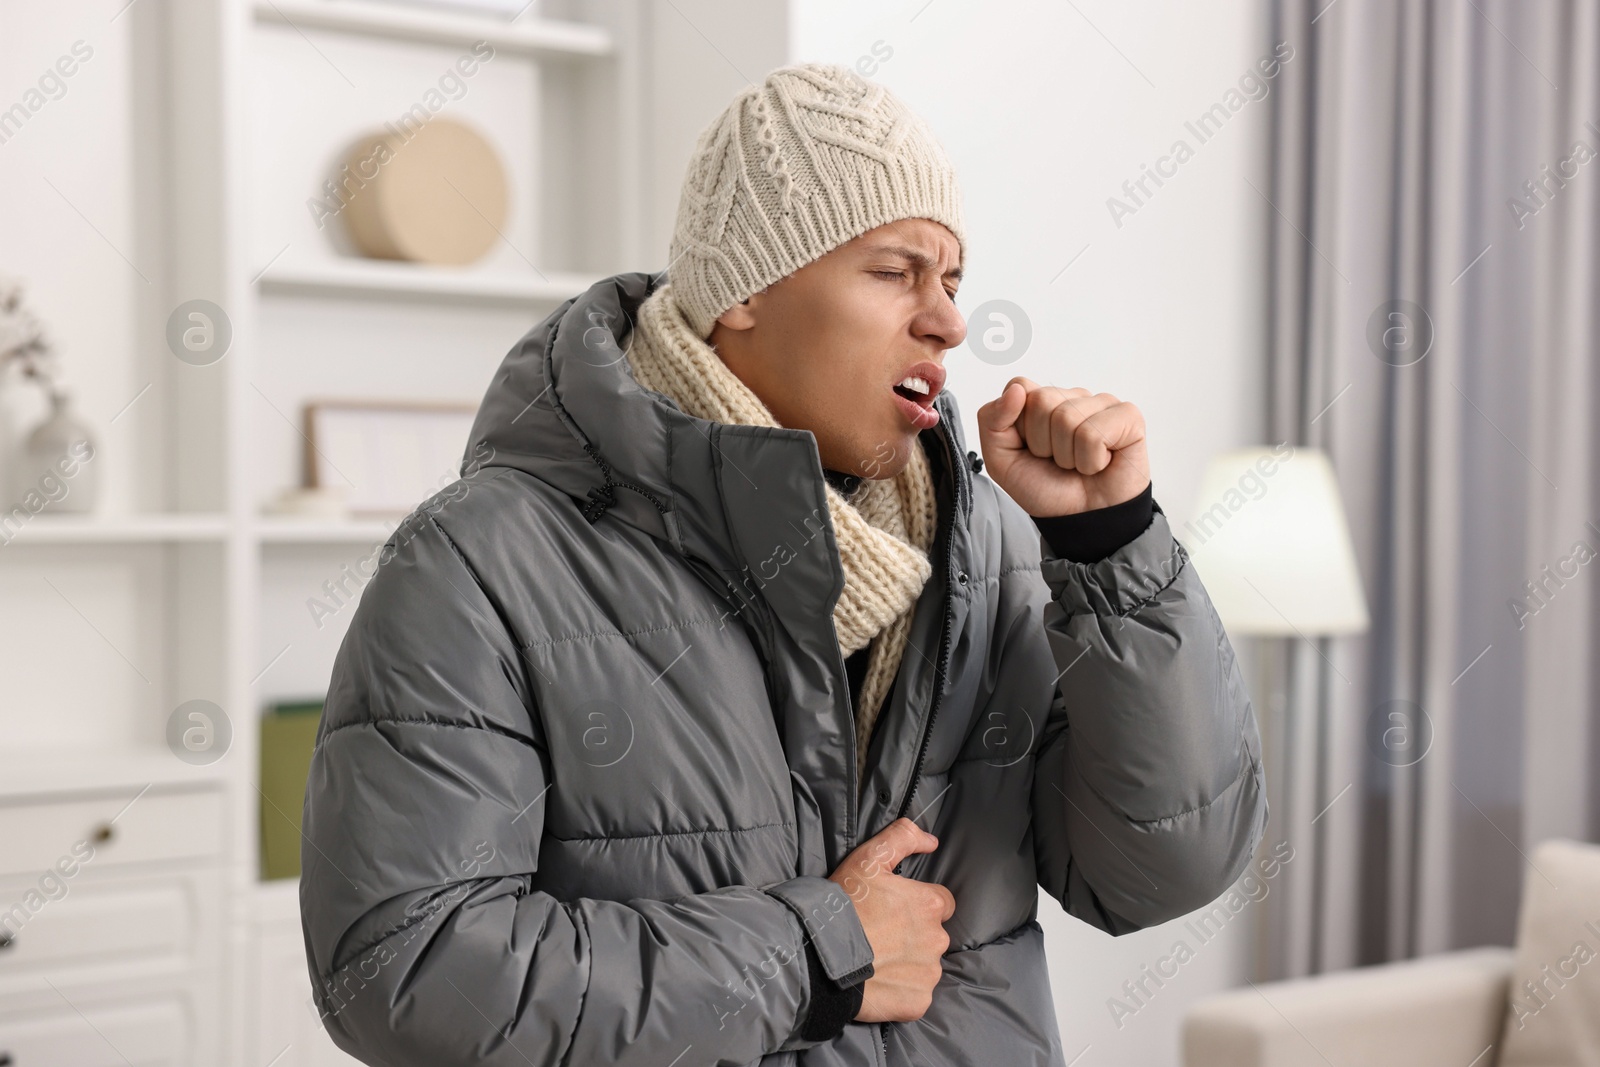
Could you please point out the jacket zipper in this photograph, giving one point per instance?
(940, 669)
(943, 664)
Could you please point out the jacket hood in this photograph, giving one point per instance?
(565, 408)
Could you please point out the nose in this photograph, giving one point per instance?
(941, 320)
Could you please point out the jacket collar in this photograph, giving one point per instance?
(564, 408)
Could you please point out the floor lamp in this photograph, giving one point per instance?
(1273, 548)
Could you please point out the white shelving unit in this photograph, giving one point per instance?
(319, 322)
(185, 589)
(528, 37)
(183, 173)
(130, 529)
(321, 532)
(378, 280)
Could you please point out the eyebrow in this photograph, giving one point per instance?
(917, 258)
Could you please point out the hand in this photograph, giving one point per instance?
(1062, 451)
(904, 921)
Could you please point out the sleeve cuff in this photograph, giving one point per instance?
(1121, 583)
(832, 1006)
(832, 927)
(1091, 536)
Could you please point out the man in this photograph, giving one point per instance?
(725, 712)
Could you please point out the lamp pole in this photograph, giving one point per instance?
(1274, 550)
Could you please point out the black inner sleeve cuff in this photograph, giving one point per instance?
(832, 1008)
(1090, 536)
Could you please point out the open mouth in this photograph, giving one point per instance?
(916, 390)
(915, 393)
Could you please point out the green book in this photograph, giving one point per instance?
(288, 734)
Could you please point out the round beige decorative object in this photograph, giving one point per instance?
(432, 194)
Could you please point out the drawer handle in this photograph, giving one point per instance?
(7, 940)
(102, 833)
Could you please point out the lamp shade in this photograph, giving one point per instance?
(1270, 542)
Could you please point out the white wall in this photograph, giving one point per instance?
(1047, 109)
(697, 55)
(71, 230)
(83, 658)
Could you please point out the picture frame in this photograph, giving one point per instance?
(385, 456)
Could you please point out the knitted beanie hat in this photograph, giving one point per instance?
(813, 157)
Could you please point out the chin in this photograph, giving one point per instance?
(886, 458)
(878, 453)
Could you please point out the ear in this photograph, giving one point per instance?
(741, 316)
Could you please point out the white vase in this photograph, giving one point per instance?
(22, 407)
(60, 461)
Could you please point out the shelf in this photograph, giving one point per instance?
(543, 38)
(385, 280)
(36, 772)
(118, 529)
(160, 528)
(286, 531)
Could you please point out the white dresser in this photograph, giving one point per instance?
(285, 1030)
(112, 896)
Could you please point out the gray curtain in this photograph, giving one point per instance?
(1434, 224)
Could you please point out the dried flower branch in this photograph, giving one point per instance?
(23, 341)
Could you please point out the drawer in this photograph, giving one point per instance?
(101, 830)
(140, 1034)
(286, 1029)
(167, 920)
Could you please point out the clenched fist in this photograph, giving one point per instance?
(903, 919)
(1061, 451)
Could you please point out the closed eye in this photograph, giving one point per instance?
(901, 274)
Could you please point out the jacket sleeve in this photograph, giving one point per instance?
(1148, 796)
(426, 941)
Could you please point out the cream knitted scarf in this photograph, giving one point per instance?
(884, 530)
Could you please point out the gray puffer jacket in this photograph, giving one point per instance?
(587, 753)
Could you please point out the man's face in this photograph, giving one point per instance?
(826, 347)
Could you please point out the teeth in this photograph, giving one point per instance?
(919, 385)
